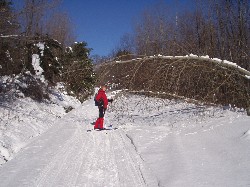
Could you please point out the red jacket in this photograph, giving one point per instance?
(102, 95)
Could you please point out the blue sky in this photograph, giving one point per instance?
(101, 23)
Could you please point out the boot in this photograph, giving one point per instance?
(97, 123)
(101, 121)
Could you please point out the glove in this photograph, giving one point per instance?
(110, 100)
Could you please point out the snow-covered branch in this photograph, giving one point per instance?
(209, 80)
(223, 63)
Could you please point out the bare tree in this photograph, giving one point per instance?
(34, 15)
(127, 43)
(8, 22)
(43, 17)
(60, 28)
(232, 18)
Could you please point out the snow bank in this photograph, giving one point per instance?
(24, 119)
(149, 111)
(186, 144)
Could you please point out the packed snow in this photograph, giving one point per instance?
(152, 142)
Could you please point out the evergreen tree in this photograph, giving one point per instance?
(78, 70)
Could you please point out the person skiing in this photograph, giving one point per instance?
(101, 101)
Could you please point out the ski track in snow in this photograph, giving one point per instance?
(69, 155)
(169, 144)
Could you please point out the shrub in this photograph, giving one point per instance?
(195, 79)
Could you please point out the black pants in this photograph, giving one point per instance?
(101, 112)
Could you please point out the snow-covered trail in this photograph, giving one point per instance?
(69, 155)
(164, 143)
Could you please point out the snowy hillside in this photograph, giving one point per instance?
(186, 144)
(154, 142)
(23, 119)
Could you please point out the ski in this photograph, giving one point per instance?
(110, 128)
